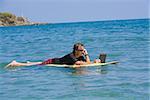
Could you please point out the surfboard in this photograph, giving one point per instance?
(87, 65)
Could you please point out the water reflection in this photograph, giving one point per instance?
(88, 71)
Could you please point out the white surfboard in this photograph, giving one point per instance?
(87, 65)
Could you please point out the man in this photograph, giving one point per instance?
(79, 56)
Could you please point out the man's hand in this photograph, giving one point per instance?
(85, 52)
(80, 63)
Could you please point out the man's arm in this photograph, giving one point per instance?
(81, 63)
(87, 58)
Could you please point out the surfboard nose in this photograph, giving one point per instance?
(102, 57)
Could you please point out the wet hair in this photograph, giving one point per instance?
(76, 46)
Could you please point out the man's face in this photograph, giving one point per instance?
(80, 50)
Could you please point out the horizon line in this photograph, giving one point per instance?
(96, 21)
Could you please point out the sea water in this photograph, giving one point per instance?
(126, 41)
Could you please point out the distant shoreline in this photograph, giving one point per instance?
(9, 19)
(33, 23)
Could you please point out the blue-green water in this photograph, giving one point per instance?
(126, 41)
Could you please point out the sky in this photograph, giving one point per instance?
(59, 11)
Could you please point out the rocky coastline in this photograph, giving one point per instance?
(9, 19)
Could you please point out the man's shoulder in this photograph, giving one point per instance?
(69, 55)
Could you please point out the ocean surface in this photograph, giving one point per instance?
(126, 41)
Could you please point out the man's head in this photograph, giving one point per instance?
(78, 48)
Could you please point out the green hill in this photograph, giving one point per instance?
(8, 19)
